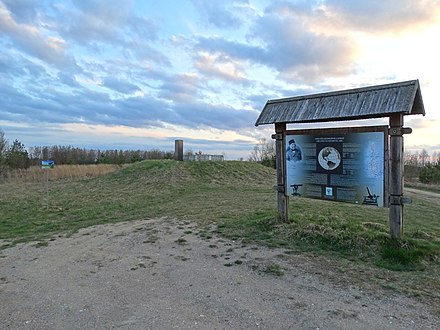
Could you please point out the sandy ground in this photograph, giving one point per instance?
(166, 274)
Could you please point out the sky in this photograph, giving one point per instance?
(139, 74)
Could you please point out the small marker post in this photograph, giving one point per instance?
(47, 165)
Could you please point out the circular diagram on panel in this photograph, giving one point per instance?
(329, 158)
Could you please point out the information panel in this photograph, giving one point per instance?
(47, 164)
(337, 164)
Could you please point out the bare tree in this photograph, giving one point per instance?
(435, 157)
(424, 157)
(412, 159)
(407, 158)
(263, 152)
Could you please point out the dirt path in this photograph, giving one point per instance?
(165, 274)
(429, 195)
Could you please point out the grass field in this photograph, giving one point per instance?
(36, 173)
(351, 240)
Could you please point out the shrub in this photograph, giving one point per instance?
(269, 161)
(430, 174)
(17, 156)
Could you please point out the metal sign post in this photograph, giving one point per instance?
(46, 188)
(47, 165)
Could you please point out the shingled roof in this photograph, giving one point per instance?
(359, 103)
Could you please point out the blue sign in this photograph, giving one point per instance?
(47, 164)
(336, 165)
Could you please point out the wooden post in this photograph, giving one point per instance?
(280, 145)
(396, 175)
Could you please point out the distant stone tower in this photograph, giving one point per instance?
(178, 150)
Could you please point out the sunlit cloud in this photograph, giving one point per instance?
(221, 67)
(382, 16)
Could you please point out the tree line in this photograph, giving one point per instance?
(69, 155)
(421, 158)
(14, 155)
(422, 166)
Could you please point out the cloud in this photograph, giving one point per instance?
(68, 80)
(30, 39)
(143, 111)
(299, 52)
(142, 50)
(142, 27)
(257, 101)
(110, 29)
(420, 123)
(233, 49)
(125, 63)
(120, 86)
(180, 88)
(284, 39)
(221, 67)
(201, 115)
(114, 22)
(91, 107)
(382, 15)
(95, 20)
(221, 14)
(23, 11)
(19, 66)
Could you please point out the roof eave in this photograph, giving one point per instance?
(414, 106)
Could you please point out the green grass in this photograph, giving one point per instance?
(184, 190)
(238, 197)
(352, 231)
(423, 186)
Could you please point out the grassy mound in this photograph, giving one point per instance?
(238, 196)
(202, 192)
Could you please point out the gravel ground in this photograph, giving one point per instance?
(165, 274)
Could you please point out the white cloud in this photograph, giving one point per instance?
(202, 67)
(221, 67)
(382, 16)
(30, 39)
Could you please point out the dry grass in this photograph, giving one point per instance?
(73, 172)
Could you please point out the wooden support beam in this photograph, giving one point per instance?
(280, 145)
(396, 176)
